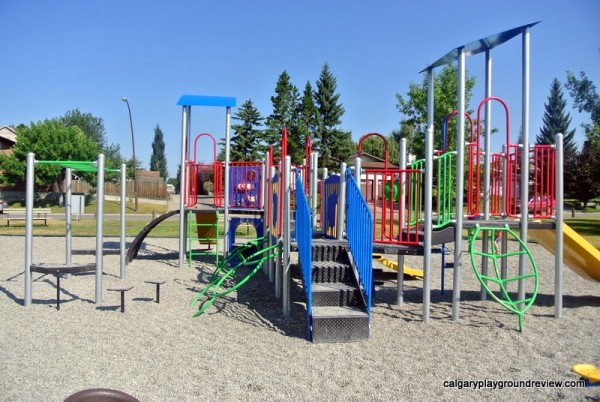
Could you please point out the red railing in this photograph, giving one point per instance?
(385, 195)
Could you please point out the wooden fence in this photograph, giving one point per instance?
(146, 189)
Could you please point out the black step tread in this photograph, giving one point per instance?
(337, 312)
(329, 264)
(332, 286)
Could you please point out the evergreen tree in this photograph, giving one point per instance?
(246, 142)
(556, 120)
(158, 160)
(334, 145)
(285, 108)
(308, 118)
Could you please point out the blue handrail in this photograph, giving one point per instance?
(359, 232)
(304, 240)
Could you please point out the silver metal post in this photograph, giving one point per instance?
(263, 204)
(29, 181)
(68, 226)
(99, 228)
(524, 161)
(271, 212)
(487, 164)
(559, 202)
(428, 202)
(357, 170)
(402, 212)
(185, 130)
(314, 184)
(460, 171)
(286, 234)
(123, 243)
(341, 212)
(226, 244)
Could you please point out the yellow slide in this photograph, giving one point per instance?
(578, 253)
(409, 273)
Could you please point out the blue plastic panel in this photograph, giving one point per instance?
(202, 100)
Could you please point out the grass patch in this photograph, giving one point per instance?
(110, 207)
(111, 228)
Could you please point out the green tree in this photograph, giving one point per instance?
(158, 160)
(308, 117)
(49, 140)
(557, 120)
(586, 170)
(285, 107)
(334, 145)
(586, 99)
(375, 146)
(586, 174)
(129, 167)
(414, 109)
(246, 142)
(93, 127)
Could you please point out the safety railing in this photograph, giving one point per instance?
(329, 205)
(359, 232)
(245, 185)
(395, 199)
(445, 188)
(304, 241)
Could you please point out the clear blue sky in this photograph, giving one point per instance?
(64, 54)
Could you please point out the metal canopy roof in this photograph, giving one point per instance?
(202, 100)
(480, 45)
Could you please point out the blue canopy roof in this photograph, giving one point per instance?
(203, 100)
(479, 46)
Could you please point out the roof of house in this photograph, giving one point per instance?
(8, 133)
(366, 158)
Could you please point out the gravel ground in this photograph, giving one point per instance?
(243, 349)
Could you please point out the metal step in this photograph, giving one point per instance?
(331, 271)
(339, 324)
(335, 294)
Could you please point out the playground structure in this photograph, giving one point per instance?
(391, 213)
(69, 267)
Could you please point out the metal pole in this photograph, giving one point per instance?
(460, 173)
(185, 129)
(357, 170)
(135, 189)
(99, 222)
(559, 202)
(487, 165)
(264, 205)
(68, 227)
(428, 202)
(123, 245)
(272, 211)
(314, 183)
(341, 212)
(226, 244)
(287, 162)
(28, 226)
(402, 211)
(324, 176)
(524, 160)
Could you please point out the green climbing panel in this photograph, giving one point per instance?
(495, 255)
(204, 229)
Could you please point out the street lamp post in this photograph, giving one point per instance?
(135, 192)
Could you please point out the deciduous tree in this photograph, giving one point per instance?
(413, 108)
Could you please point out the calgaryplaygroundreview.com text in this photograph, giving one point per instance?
(501, 384)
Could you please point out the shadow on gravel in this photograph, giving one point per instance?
(254, 303)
